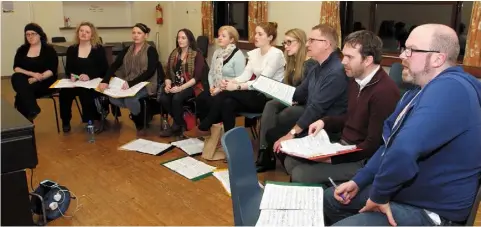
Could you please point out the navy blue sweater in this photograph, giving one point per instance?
(432, 157)
(323, 91)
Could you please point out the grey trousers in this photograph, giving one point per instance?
(307, 171)
(275, 112)
(131, 103)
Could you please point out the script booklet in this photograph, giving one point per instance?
(315, 147)
(67, 83)
(146, 146)
(275, 89)
(291, 204)
(190, 168)
(115, 88)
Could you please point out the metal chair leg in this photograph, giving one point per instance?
(44, 210)
(56, 114)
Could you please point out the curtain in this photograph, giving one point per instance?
(472, 56)
(330, 15)
(257, 14)
(208, 20)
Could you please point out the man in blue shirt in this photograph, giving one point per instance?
(428, 170)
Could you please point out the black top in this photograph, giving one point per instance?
(152, 63)
(47, 60)
(94, 65)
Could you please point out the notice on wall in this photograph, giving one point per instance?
(7, 6)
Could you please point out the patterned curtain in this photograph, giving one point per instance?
(208, 20)
(472, 56)
(330, 14)
(257, 14)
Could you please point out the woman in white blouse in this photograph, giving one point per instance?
(266, 60)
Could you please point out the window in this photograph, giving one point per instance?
(231, 13)
(392, 21)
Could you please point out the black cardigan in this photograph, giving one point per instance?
(47, 60)
(152, 63)
(96, 66)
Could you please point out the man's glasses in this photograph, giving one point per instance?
(409, 51)
(310, 40)
(288, 42)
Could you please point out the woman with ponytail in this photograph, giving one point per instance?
(35, 66)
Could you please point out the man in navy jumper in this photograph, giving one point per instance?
(428, 170)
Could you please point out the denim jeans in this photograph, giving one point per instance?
(338, 214)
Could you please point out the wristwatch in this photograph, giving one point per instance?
(293, 132)
(238, 87)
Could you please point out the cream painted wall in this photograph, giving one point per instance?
(177, 15)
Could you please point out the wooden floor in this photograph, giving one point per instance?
(121, 187)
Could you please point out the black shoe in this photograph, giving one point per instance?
(174, 130)
(138, 121)
(66, 127)
(266, 162)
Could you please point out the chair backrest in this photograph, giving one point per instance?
(396, 73)
(59, 39)
(160, 74)
(152, 43)
(203, 44)
(474, 210)
(245, 190)
(127, 44)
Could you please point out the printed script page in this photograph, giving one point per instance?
(90, 84)
(146, 146)
(223, 177)
(311, 146)
(120, 93)
(278, 90)
(189, 167)
(190, 146)
(291, 218)
(284, 197)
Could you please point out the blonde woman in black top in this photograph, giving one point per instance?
(86, 60)
(35, 67)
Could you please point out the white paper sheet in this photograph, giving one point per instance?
(121, 93)
(311, 146)
(190, 146)
(278, 90)
(291, 218)
(223, 177)
(67, 83)
(146, 146)
(291, 197)
(189, 167)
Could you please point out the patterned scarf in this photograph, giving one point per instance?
(186, 69)
(218, 63)
(136, 64)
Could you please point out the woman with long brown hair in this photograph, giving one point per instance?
(86, 60)
(297, 65)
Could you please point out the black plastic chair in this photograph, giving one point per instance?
(203, 45)
(54, 95)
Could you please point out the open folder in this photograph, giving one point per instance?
(315, 147)
(275, 89)
(67, 83)
(115, 88)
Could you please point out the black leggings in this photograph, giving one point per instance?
(173, 104)
(86, 96)
(27, 94)
(227, 104)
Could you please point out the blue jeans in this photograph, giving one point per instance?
(338, 214)
(131, 103)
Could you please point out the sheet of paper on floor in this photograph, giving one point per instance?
(190, 146)
(189, 167)
(146, 146)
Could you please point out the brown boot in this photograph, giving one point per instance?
(196, 132)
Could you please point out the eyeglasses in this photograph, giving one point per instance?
(31, 34)
(288, 42)
(409, 51)
(310, 40)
